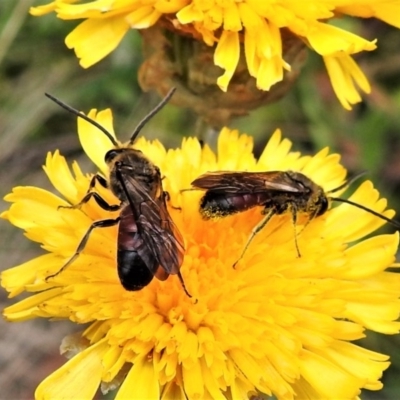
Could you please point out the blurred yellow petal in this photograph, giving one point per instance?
(143, 17)
(327, 40)
(345, 74)
(42, 10)
(387, 11)
(227, 57)
(87, 39)
(226, 22)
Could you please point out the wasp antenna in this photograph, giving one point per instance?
(381, 216)
(348, 182)
(83, 116)
(151, 114)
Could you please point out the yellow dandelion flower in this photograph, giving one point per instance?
(226, 24)
(277, 324)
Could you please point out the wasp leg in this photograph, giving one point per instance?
(254, 232)
(104, 223)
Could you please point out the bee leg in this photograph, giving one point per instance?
(183, 284)
(100, 180)
(167, 198)
(254, 232)
(99, 200)
(95, 179)
(294, 221)
(188, 190)
(104, 223)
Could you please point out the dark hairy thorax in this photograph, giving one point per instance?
(132, 163)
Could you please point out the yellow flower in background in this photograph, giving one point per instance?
(227, 24)
(276, 324)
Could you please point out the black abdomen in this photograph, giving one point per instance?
(132, 271)
(135, 263)
(214, 205)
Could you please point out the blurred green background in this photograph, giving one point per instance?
(34, 60)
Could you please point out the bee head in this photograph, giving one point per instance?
(119, 154)
(321, 204)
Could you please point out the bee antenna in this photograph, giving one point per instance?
(381, 216)
(151, 114)
(348, 182)
(83, 116)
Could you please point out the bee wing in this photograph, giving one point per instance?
(247, 182)
(151, 262)
(129, 237)
(161, 236)
(156, 228)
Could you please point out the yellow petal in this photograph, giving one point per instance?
(344, 73)
(331, 382)
(357, 361)
(362, 223)
(232, 20)
(327, 40)
(142, 371)
(143, 17)
(93, 141)
(169, 6)
(172, 391)
(234, 150)
(30, 307)
(193, 381)
(60, 176)
(14, 280)
(270, 72)
(33, 207)
(190, 13)
(374, 254)
(92, 9)
(226, 56)
(94, 39)
(82, 373)
(42, 10)
(387, 11)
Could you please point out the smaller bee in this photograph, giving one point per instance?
(149, 243)
(278, 192)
